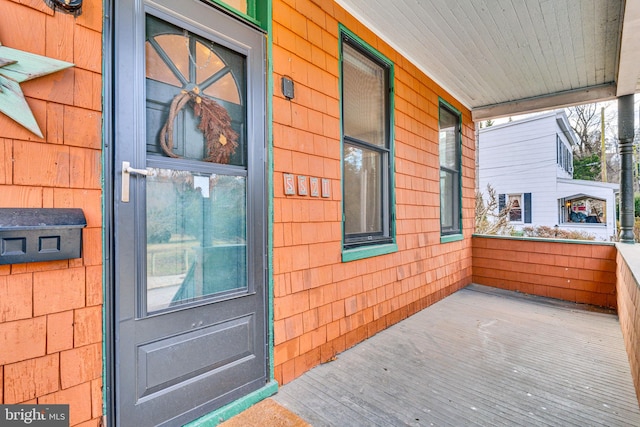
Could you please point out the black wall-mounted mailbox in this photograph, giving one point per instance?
(34, 235)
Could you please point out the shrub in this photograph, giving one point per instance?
(487, 221)
(553, 233)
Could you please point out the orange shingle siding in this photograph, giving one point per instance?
(629, 315)
(321, 305)
(51, 312)
(583, 273)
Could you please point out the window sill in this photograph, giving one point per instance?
(451, 238)
(368, 252)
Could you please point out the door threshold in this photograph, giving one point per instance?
(234, 408)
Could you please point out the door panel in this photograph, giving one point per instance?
(161, 362)
(190, 332)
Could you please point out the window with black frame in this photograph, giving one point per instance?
(449, 147)
(366, 82)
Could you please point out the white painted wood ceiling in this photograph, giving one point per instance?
(505, 57)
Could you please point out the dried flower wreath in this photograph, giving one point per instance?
(215, 124)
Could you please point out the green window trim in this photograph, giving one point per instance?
(455, 233)
(344, 31)
(257, 12)
(368, 251)
(451, 238)
(352, 248)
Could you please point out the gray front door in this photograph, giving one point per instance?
(189, 228)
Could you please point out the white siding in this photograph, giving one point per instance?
(598, 190)
(521, 157)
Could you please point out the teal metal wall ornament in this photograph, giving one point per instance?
(16, 67)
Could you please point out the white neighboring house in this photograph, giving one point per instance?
(530, 163)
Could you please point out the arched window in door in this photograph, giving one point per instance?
(178, 60)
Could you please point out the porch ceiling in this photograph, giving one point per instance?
(507, 57)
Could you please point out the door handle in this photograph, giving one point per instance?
(127, 170)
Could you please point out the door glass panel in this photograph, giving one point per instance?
(224, 88)
(196, 236)
(207, 62)
(176, 50)
(157, 68)
(196, 197)
(195, 96)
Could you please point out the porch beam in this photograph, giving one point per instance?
(625, 143)
(546, 102)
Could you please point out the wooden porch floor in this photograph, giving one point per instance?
(481, 357)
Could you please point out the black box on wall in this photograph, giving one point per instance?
(35, 235)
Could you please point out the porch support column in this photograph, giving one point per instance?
(625, 142)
